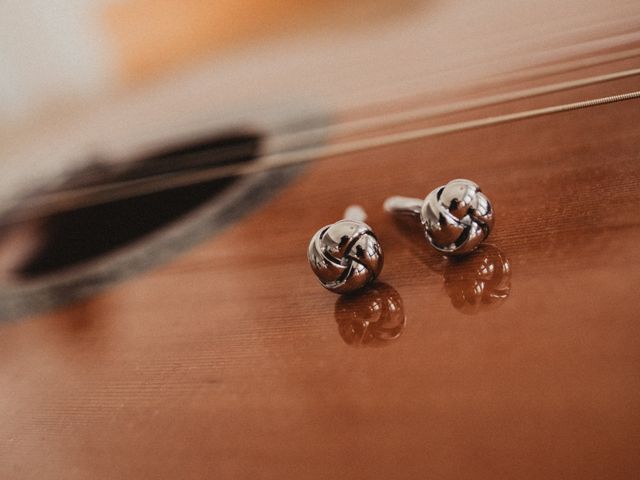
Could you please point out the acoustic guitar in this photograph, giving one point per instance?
(159, 318)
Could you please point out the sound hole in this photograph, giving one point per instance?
(84, 234)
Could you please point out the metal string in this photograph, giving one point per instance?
(61, 201)
(421, 113)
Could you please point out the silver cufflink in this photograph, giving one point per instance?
(456, 217)
(346, 255)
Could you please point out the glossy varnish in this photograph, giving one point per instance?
(232, 362)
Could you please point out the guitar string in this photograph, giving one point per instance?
(341, 119)
(73, 199)
(275, 145)
(294, 138)
(519, 75)
(391, 96)
(422, 113)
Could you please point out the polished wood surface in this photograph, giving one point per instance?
(232, 362)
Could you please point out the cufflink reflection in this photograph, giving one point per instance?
(478, 282)
(373, 318)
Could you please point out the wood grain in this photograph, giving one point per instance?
(228, 362)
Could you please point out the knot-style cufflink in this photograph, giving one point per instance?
(346, 255)
(456, 217)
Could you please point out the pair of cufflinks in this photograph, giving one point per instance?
(347, 256)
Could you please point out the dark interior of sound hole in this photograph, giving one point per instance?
(77, 236)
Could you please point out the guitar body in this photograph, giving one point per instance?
(229, 360)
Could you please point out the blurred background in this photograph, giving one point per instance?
(58, 53)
